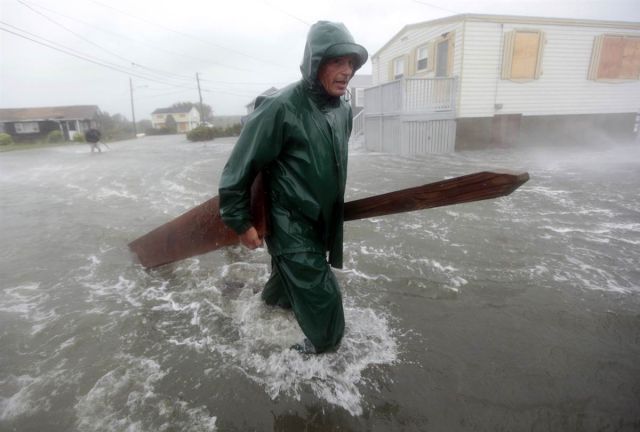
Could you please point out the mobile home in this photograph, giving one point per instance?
(476, 81)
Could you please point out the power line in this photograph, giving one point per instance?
(52, 45)
(81, 56)
(245, 82)
(187, 35)
(161, 94)
(287, 13)
(436, 7)
(93, 26)
(168, 75)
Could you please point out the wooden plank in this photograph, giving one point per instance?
(201, 229)
(473, 187)
(197, 231)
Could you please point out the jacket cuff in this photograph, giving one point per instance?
(240, 227)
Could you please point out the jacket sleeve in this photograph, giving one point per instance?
(259, 143)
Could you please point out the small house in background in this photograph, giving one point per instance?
(30, 124)
(475, 81)
(186, 118)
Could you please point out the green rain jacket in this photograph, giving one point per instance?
(298, 138)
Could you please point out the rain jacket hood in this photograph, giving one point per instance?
(326, 40)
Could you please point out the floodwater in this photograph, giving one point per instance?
(515, 314)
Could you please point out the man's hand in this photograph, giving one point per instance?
(251, 239)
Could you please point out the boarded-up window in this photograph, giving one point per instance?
(615, 57)
(522, 55)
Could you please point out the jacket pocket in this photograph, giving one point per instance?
(300, 205)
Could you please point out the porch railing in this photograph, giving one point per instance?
(358, 125)
(411, 96)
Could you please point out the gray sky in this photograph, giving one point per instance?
(87, 50)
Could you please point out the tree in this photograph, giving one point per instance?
(114, 127)
(170, 123)
(144, 124)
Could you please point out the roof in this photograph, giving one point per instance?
(173, 110)
(75, 112)
(512, 19)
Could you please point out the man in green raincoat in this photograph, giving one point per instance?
(298, 139)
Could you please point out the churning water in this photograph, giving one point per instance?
(521, 313)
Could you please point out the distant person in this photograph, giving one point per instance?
(92, 136)
(298, 139)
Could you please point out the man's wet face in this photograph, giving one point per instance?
(335, 73)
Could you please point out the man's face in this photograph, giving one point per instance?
(335, 73)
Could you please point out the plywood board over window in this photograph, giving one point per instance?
(522, 55)
(615, 57)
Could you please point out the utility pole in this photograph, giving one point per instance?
(133, 112)
(200, 94)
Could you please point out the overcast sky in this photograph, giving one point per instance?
(83, 52)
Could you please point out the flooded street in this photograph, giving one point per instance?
(520, 313)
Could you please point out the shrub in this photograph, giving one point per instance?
(170, 123)
(5, 139)
(55, 136)
(78, 137)
(202, 133)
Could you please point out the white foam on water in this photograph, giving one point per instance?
(107, 192)
(565, 230)
(258, 337)
(557, 195)
(589, 276)
(626, 227)
(22, 401)
(22, 300)
(25, 395)
(363, 275)
(262, 352)
(126, 399)
(385, 252)
(28, 302)
(121, 290)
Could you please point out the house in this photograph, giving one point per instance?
(355, 97)
(186, 118)
(30, 124)
(357, 84)
(474, 81)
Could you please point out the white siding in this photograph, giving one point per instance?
(481, 69)
(411, 39)
(563, 87)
